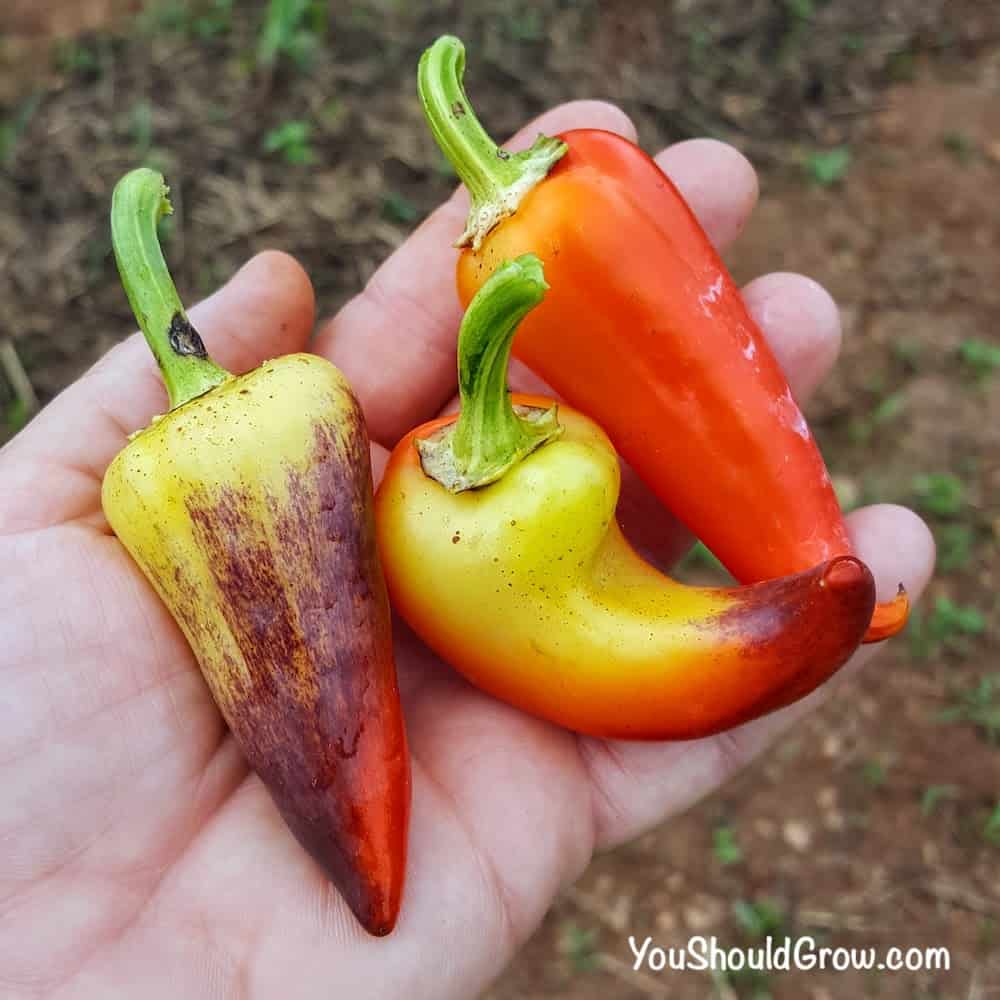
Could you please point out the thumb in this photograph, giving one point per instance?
(52, 470)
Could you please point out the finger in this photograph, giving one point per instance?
(802, 325)
(395, 341)
(718, 183)
(801, 322)
(266, 309)
(638, 785)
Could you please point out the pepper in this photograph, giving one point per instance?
(500, 549)
(249, 508)
(646, 332)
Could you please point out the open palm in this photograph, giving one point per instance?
(138, 857)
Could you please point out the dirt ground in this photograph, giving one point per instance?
(876, 822)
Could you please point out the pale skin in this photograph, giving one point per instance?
(138, 857)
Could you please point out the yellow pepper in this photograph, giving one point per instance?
(249, 508)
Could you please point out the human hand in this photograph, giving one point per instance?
(140, 856)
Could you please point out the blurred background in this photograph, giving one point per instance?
(876, 130)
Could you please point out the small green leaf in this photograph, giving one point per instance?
(759, 918)
(979, 706)
(804, 10)
(948, 625)
(939, 493)
(827, 167)
(934, 794)
(725, 846)
(875, 773)
(292, 29)
(291, 140)
(579, 946)
(982, 357)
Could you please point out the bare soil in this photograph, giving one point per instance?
(875, 822)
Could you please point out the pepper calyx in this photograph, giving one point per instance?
(437, 455)
(497, 180)
(491, 435)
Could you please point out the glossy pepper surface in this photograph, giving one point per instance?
(645, 331)
(498, 537)
(249, 508)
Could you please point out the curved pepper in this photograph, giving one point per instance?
(249, 508)
(646, 332)
(500, 549)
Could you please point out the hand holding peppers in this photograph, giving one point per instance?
(124, 806)
(498, 538)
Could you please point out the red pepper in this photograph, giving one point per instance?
(645, 331)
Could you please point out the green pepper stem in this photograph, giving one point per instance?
(490, 435)
(497, 180)
(139, 202)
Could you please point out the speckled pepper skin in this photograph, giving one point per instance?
(250, 511)
(529, 589)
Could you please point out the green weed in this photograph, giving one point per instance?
(979, 706)
(863, 428)
(939, 493)
(947, 626)
(874, 773)
(758, 918)
(804, 10)
(293, 30)
(216, 20)
(77, 57)
(291, 140)
(579, 946)
(725, 846)
(828, 167)
(204, 20)
(981, 357)
(933, 794)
